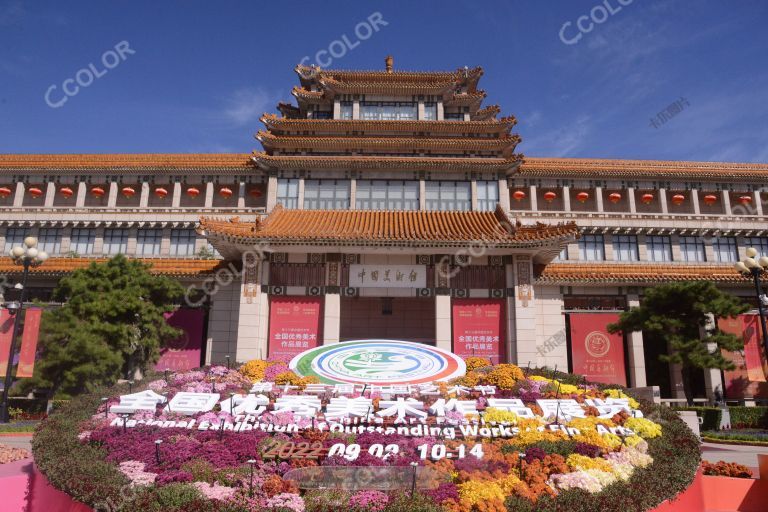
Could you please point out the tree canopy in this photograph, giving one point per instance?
(111, 323)
(676, 312)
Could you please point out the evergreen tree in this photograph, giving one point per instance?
(676, 312)
(110, 325)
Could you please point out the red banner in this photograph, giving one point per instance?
(6, 332)
(184, 352)
(743, 381)
(294, 325)
(478, 328)
(29, 337)
(595, 353)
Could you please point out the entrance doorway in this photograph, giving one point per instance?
(396, 318)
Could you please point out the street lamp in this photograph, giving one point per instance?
(27, 255)
(751, 267)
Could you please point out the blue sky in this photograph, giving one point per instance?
(201, 72)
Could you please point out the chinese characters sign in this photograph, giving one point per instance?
(595, 353)
(478, 328)
(388, 276)
(294, 325)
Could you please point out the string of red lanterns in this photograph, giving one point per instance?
(4, 192)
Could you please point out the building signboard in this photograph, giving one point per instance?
(388, 276)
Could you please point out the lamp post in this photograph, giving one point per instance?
(28, 256)
(751, 267)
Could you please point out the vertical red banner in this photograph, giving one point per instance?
(6, 332)
(294, 325)
(744, 380)
(753, 358)
(29, 337)
(478, 328)
(595, 353)
(184, 352)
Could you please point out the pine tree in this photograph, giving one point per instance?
(111, 324)
(676, 312)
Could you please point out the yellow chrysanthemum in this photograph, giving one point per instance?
(474, 492)
(617, 393)
(504, 376)
(499, 416)
(643, 427)
(576, 462)
(473, 363)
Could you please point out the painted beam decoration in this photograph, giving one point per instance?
(378, 362)
(375, 416)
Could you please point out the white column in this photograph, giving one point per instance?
(144, 197)
(504, 194)
(176, 199)
(567, 199)
(331, 318)
(637, 376)
(758, 203)
(336, 108)
(663, 200)
(300, 200)
(18, 198)
(631, 197)
(241, 195)
(82, 191)
(352, 194)
(443, 334)
(50, 194)
(726, 202)
(473, 194)
(608, 242)
(112, 197)
(599, 198)
(251, 340)
(695, 201)
(440, 111)
(422, 195)
(525, 312)
(208, 195)
(356, 109)
(271, 192)
(420, 110)
(533, 198)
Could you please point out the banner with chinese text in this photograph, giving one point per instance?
(184, 353)
(595, 353)
(6, 332)
(388, 276)
(29, 337)
(294, 325)
(749, 372)
(478, 328)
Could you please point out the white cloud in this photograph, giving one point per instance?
(245, 106)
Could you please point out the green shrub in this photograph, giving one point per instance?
(711, 416)
(749, 417)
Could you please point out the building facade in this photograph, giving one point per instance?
(394, 205)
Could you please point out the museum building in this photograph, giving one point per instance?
(394, 205)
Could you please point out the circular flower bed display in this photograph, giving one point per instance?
(263, 438)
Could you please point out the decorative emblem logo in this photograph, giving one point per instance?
(597, 344)
(383, 362)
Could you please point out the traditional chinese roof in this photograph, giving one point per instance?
(635, 273)
(117, 162)
(367, 227)
(583, 167)
(487, 113)
(505, 143)
(382, 162)
(283, 124)
(165, 266)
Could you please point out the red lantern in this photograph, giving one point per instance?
(97, 191)
(128, 192)
(582, 197)
(678, 199)
(710, 199)
(647, 198)
(518, 195)
(66, 192)
(225, 192)
(35, 192)
(193, 192)
(256, 192)
(614, 197)
(161, 192)
(4, 192)
(549, 196)
(745, 200)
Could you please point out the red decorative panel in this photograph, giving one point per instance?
(478, 328)
(595, 353)
(295, 325)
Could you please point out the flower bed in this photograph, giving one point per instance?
(493, 458)
(729, 469)
(11, 454)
